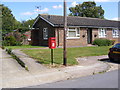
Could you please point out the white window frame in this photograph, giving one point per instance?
(115, 32)
(102, 32)
(77, 36)
(45, 33)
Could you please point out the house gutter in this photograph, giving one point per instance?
(61, 26)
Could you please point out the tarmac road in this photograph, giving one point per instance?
(105, 80)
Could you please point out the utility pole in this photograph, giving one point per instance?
(64, 37)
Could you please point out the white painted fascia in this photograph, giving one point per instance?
(35, 21)
(47, 21)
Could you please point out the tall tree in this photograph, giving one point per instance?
(87, 9)
(26, 25)
(9, 23)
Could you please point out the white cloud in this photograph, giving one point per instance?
(57, 7)
(36, 11)
(74, 4)
(27, 13)
(116, 19)
(43, 10)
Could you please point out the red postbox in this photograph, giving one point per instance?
(52, 42)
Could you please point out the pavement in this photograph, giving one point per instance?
(15, 76)
(104, 80)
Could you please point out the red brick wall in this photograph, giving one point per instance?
(81, 41)
(110, 36)
(94, 34)
(72, 42)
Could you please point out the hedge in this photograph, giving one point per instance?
(103, 42)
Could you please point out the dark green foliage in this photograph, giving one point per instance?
(9, 50)
(9, 23)
(102, 42)
(10, 41)
(87, 9)
(26, 25)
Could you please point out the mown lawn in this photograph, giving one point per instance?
(23, 47)
(43, 55)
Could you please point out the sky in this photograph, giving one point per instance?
(29, 9)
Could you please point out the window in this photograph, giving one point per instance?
(73, 33)
(115, 33)
(102, 33)
(45, 33)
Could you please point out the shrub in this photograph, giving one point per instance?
(11, 41)
(102, 42)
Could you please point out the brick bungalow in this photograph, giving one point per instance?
(81, 31)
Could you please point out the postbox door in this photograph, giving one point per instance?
(52, 42)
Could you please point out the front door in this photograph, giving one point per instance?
(89, 36)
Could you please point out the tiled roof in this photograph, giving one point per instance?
(57, 21)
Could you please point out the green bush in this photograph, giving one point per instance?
(11, 41)
(102, 42)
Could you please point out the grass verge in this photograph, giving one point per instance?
(23, 47)
(43, 55)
